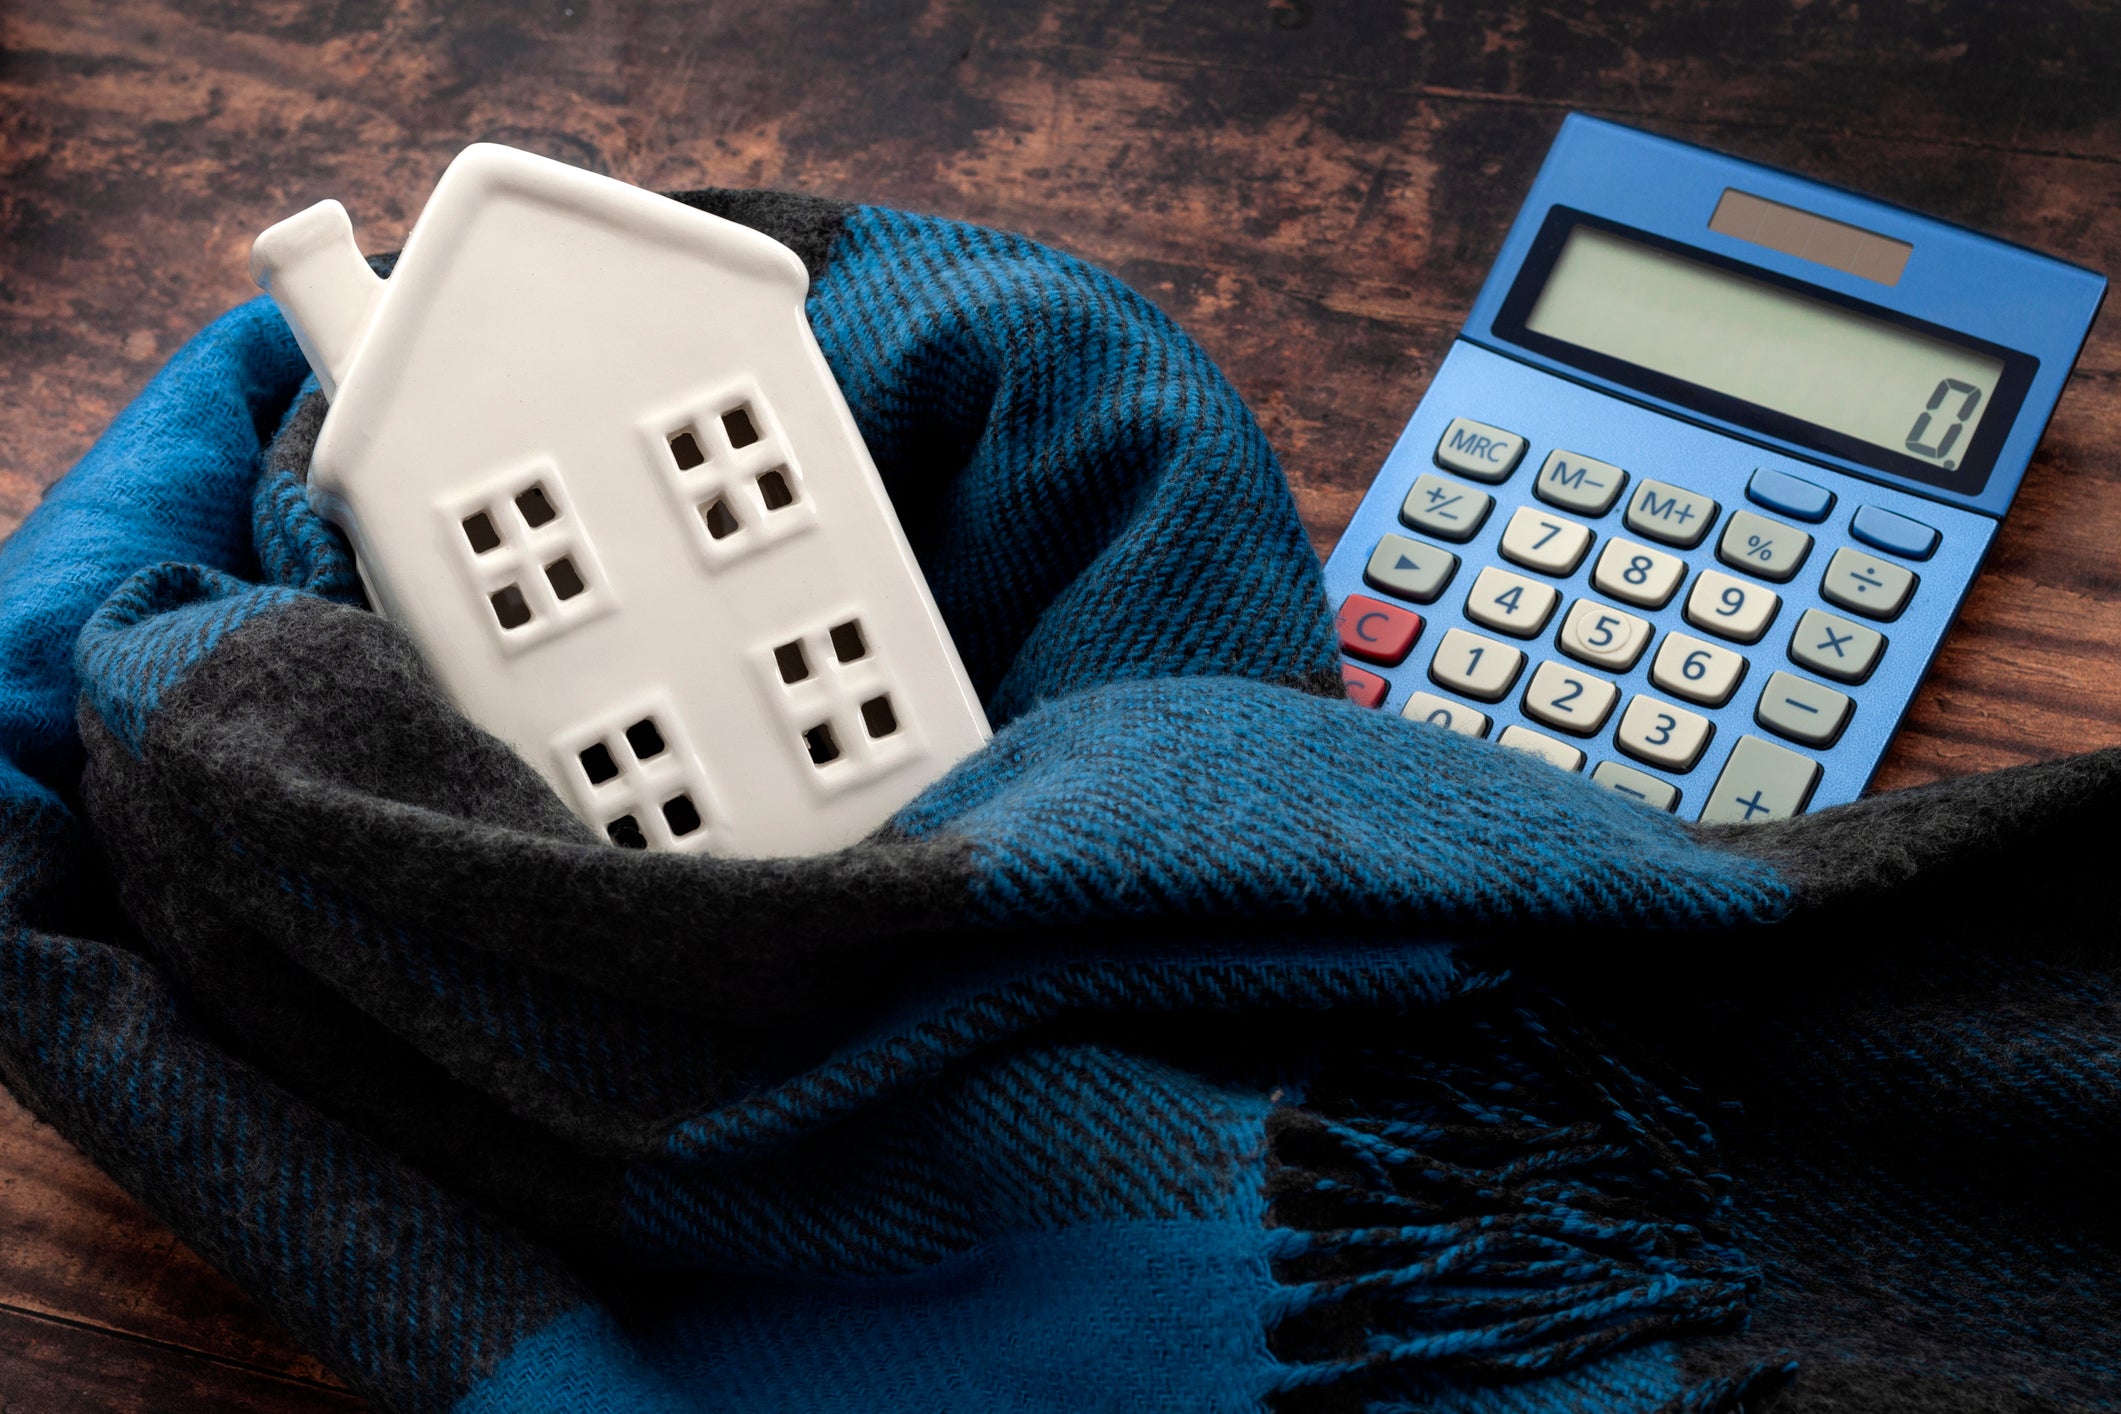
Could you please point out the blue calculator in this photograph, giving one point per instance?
(1705, 477)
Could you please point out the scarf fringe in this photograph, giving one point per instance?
(1442, 1220)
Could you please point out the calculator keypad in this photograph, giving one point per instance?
(1569, 698)
(1834, 647)
(1547, 543)
(1612, 619)
(1410, 569)
(1894, 533)
(1696, 669)
(1731, 608)
(1510, 603)
(1662, 734)
(1364, 688)
(1875, 588)
(1637, 785)
(1477, 450)
(1546, 748)
(1636, 574)
(1480, 668)
(1443, 712)
(1580, 484)
(1805, 712)
(1602, 637)
(1448, 510)
(1375, 631)
(1761, 782)
(1791, 495)
(1768, 548)
(1672, 514)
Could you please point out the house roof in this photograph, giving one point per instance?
(486, 173)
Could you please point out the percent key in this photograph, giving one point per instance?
(1763, 547)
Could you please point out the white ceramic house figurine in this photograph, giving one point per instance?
(590, 456)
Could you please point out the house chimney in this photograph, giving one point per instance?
(313, 270)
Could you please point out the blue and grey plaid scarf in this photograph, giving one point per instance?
(1205, 1042)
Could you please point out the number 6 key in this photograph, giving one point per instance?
(1689, 667)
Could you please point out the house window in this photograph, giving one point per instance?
(565, 579)
(509, 606)
(634, 771)
(847, 641)
(645, 740)
(597, 764)
(681, 815)
(741, 429)
(774, 489)
(878, 717)
(722, 455)
(478, 529)
(685, 449)
(536, 506)
(525, 553)
(721, 521)
(839, 699)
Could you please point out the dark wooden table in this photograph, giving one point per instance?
(1313, 188)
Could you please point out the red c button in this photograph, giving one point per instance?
(1375, 631)
(1365, 688)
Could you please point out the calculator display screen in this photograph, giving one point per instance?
(1862, 383)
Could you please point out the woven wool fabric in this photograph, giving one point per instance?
(1205, 1042)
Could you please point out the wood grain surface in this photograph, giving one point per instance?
(1313, 188)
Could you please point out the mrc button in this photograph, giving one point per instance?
(1477, 450)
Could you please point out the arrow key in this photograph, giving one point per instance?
(1410, 569)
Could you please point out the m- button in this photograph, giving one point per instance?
(1477, 450)
(1579, 483)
